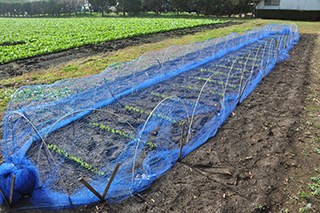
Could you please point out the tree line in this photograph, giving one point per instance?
(68, 7)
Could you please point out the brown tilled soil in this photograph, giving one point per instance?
(242, 168)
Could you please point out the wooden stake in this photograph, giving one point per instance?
(111, 179)
(5, 199)
(91, 189)
(181, 143)
(11, 189)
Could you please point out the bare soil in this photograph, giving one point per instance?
(239, 169)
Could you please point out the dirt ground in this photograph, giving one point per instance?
(243, 167)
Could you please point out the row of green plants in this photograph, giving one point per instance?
(114, 131)
(153, 114)
(23, 38)
(79, 161)
(178, 100)
(248, 58)
(118, 132)
(234, 68)
(235, 75)
(248, 64)
(198, 89)
(242, 57)
(214, 81)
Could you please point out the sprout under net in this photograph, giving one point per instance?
(132, 113)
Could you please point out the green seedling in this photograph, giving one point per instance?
(303, 209)
(309, 123)
(152, 145)
(290, 202)
(304, 195)
(316, 150)
(270, 126)
(284, 210)
(259, 207)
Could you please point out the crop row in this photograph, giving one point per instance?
(248, 58)
(41, 36)
(115, 131)
(214, 81)
(153, 114)
(198, 89)
(235, 75)
(74, 159)
(177, 99)
(243, 63)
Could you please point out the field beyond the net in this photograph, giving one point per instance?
(23, 38)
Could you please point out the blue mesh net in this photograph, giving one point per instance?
(132, 113)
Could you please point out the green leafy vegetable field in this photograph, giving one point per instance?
(22, 38)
